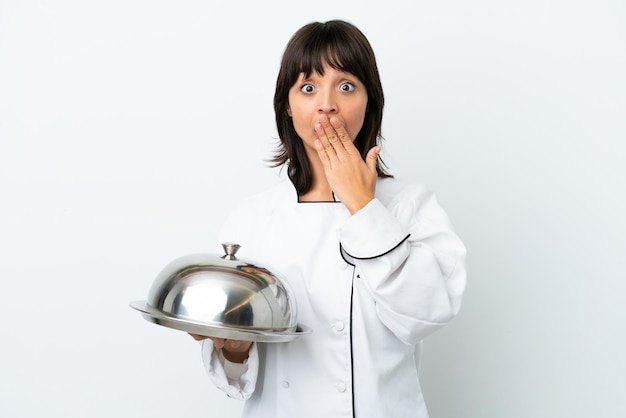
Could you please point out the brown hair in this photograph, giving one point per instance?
(344, 47)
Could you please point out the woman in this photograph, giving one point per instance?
(374, 264)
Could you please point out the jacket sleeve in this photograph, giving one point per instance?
(410, 260)
(238, 381)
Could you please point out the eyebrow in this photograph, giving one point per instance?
(303, 75)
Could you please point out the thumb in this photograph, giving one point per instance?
(234, 344)
(218, 342)
(372, 157)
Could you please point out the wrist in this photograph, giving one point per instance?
(359, 203)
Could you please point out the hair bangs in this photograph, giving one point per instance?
(328, 46)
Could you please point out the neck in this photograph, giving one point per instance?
(320, 190)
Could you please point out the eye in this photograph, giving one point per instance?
(347, 87)
(307, 88)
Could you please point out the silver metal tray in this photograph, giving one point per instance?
(217, 331)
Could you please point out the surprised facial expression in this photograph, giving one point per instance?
(336, 93)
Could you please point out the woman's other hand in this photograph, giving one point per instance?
(235, 351)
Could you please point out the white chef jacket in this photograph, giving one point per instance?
(371, 286)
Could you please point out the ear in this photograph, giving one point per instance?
(289, 110)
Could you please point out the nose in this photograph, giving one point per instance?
(327, 103)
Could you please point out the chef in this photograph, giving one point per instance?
(373, 262)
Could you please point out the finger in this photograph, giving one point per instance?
(237, 346)
(343, 146)
(234, 344)
(321, 152)
(322, 135)
(325, 150)
(372, 158)
(329, 137)
(329, 130)
(343, 135)
(218, 342)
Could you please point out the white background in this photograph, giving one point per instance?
(128, 129)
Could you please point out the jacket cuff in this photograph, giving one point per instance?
(371, 232)
(238, 381)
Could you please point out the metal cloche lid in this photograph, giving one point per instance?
(222, 297)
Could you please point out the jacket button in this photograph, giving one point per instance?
(339, 326)
(341, 387)
(284, 384)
